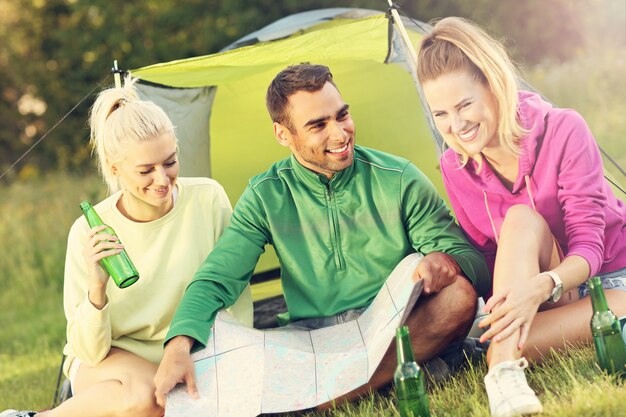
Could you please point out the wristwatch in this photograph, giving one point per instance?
(557, 291)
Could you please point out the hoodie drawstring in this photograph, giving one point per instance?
(529, 190)
(493, 226)
(532, 203)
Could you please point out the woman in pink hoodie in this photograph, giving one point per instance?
(527, 185)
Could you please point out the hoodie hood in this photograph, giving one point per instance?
(532, 114)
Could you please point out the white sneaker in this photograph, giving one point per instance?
(508, 392)
(15, 413)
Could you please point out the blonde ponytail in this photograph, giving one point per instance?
(119, 118)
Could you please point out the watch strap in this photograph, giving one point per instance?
(558, 285)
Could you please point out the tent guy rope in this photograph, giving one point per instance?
(45, 135)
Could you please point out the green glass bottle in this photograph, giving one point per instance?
(409, 379)
(606, 332)
(119, 267)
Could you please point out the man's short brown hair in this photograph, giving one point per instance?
(303, 77)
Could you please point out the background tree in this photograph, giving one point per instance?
(56, 51)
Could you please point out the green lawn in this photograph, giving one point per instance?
(32, 341)
(568, 384)
(32, 325)
(36, 219)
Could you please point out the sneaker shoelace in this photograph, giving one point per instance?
(515, 376)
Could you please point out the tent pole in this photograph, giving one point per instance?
(412, 62)
(116, 75)
(405, 36)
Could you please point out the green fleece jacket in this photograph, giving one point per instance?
(337, 240)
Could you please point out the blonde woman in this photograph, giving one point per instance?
(526, 183)
(167, 225)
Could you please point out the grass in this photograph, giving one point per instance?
(568, 383)
(32, 341)
(36, 219)
(37, 215)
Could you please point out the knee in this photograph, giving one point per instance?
(617, 300)
(139, 399)
(463, 300)
(455, 306)
(519, 212)
(522, 217)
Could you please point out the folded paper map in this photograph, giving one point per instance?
(245, 372)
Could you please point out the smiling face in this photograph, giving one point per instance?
(323, 131)
(148, 175)
(465, 111)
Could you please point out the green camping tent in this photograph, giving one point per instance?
(217, 102)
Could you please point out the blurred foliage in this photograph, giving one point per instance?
(595, 86)
(57, 52)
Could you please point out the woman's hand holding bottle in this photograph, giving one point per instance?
(97, 247)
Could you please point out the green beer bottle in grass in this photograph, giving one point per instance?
(605, 329)
(119, 267)
(409, 379)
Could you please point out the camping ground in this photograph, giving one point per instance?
(37, 213)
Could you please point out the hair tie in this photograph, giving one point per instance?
(117, 105)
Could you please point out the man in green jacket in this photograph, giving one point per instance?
(340, 217)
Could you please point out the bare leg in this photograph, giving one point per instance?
(435, 322)
(120, 385)
(568, 324)
(525, 248)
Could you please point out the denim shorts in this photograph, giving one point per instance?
(321, 322)
(615, 280)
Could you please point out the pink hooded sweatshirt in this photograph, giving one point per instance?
(560, 175)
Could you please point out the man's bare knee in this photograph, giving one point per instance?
(454, 308)
(460, 299)
(447, 314)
